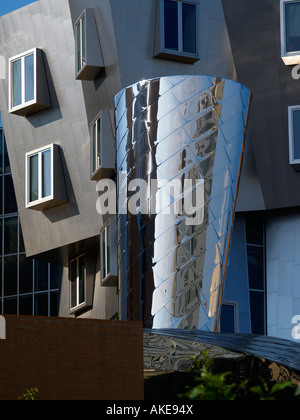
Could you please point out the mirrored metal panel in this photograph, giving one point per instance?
(180, 143)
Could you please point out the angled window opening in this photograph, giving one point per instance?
(178, 32)
(96, 144)
(77, 275)
(108, 254)
(81, 42)
(290, 31)
(45, 185)
(28, 89)
(294, 136)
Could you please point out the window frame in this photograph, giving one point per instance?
(96, 155)
(83, 62)
(179, 54)
(106, 230)
(294, 162)
(24, 103)
(40, 199)
(292, 57)
(78, 305)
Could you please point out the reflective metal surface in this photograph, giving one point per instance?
(171, 349)
(183, 128)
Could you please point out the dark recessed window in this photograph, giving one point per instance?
(77, 279)
(290, 31)
(227, 324)
(294, 136)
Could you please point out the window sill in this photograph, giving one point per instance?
(89, 72)
(110, 281)
(28, 108)
(291, 59)
(79, 308)
(178, 56)
(102, 173)
(295, 165)
(42, 205)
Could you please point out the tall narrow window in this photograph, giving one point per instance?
(22, 80)
(77, 278)
(105, 252)
(179, 30)
(294, 136)
(290, 31)
(81, 43)
(39, 173)
(96, 144)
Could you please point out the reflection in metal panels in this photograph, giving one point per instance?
(172, 266)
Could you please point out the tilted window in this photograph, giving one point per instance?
(294, 136)
(178, 36)
(96, 144)
(45, 185)
(290, 31)
(81, 42)
(108, 254)
(28, 89)
(77, 279)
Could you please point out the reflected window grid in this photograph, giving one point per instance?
(39, 300)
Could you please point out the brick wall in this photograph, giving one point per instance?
(71, 359)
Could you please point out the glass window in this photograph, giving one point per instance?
(180, 26)
(10, 203)
(292, 27)
(105, 252)
(227, 318)
(22, 80)
(10, 306)
(25, 274)
(39, 173)
(77, 278)
(25, 305)
(96, 143)
(294, 128)
(10, 275)
(41, 275)
(41, 304)
(11, 235)
(81, 43)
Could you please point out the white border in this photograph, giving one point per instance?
(289, 58)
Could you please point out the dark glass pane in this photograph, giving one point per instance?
(189, 28)
(254, 229)
(34, 178)
(1, 150)
(79, 52)
(16, 83)
(41, 275)
(257, 306)
(1, 194)
(29, 77)
(1, 229)
(73, 279)
(25, 305)
(0, 281)
(11, 235)
(171, 25)
(296, 133)
(56, 274)
(54, 304)
(255, 267)
(10, 306)
(227, 319)
(41, 304)
(10, 203)
(25, 274)
(7, 168)
(21, 245)
(292, 27)
(10, 275)
(81, 268)
(46, 173)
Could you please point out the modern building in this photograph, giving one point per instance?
(105, 92)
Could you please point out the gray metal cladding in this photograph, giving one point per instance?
(172, 262)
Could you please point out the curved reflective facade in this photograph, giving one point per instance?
(173, 255)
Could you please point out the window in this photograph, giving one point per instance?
(45, 185)
(89, 59)
(40, 175)
(77, 278)
(179, 30)
(228, 318)
(294, 136)
(28, 90)
(105, 252)
(290, 31)
(96, 144)
(81, 42)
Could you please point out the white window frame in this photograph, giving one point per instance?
(293, 57)
(27, 176)
(82, 304)
(96, 154)
(79, 48)
(107, 232)
(291, 109)
(180, 51)
(11, 60)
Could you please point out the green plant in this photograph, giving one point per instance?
(267, 392)
(29, 395)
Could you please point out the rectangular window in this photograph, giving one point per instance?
(105, 252)
(39, 175)
(179, 31)
(96, 144)
(81, 43)
(228, 318)
(77, 278)
(22, 80)
(290, 31)
(294, 136)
